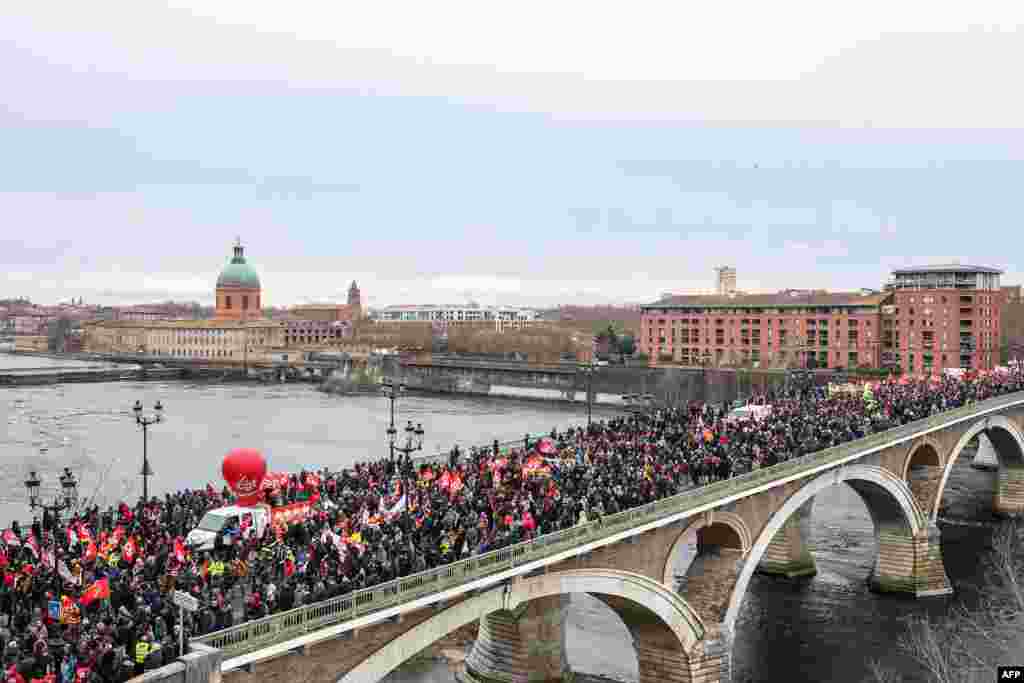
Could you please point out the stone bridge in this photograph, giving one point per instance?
(715, 537)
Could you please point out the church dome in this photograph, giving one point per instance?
(238, 273)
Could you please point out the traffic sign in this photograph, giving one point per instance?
(185, 601)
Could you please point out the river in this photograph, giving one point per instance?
(823, 629)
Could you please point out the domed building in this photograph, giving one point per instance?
(238, 334)
(238, 289)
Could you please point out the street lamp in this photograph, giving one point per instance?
(145, 421)
(411, 435)
(589, 369)
(391, 391)
(636, 405)
(705, 358)
(67, 500)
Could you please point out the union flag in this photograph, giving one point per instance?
(179, 550)
(130, 549)
(99, 590)
(10, 538)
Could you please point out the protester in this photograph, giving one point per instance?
(88, 598)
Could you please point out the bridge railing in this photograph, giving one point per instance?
(254, 635)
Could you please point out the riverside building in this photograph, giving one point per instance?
(237, 333)
(926, 320)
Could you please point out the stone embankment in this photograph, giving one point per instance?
(44, 376)
(568, 382)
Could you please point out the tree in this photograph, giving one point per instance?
(965, 645)
(627, 345)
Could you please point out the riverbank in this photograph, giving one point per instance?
(570, 383)
(45, 376)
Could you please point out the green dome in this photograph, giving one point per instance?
(238, 273)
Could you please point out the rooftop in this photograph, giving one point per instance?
(211, 324)
(948, 268)
(785, 298)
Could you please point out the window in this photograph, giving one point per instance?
(245, 302)
(227, 302)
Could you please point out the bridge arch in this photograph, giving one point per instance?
(924, 453)
(1007, 441)
(889, 501)
(625, 592)
(723, 529)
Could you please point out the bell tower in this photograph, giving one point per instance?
(355, 300)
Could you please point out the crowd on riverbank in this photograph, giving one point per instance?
(87, 599)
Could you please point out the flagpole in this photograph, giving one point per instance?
(181, 631)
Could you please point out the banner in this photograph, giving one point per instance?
(130, 549)
(11, 538)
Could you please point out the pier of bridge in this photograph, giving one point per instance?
(725, 532)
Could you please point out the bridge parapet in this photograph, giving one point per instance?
(497, 565)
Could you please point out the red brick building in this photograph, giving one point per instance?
(927, 319)
(945, 316)
(792, 328)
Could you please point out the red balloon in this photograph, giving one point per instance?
(243, 471)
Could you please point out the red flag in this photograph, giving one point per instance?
(84, 535)
(11, 538)
(289, 567)
(99, 590)
(179, 550)
(130, 549)
(49, 559)
(118, 534)
(456, 484)
(446, 480)
(33, 544)
(3, 558)
(90, 552)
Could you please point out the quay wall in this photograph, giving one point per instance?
(42, 377)
(671, 385)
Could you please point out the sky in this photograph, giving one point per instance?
(527, 153)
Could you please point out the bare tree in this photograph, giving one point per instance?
(963, 647)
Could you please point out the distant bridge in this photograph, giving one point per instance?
(754, 522)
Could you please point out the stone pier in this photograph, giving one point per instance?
(789, 553)
(985, 457)
(908, 564)
(522, 645)
(1009, 498)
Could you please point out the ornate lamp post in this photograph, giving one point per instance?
(67, 500)
(636, 405)
(705, 359)
(145, 421)
(589, 369)
(413, 439)
(391, 391)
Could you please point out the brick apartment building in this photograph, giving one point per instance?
(927, 319)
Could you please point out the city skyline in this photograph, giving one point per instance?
(440, 166)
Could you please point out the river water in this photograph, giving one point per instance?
(823, 629)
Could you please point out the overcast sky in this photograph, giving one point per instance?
(521, 153)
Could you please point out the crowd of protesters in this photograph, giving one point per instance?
(88, 598)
